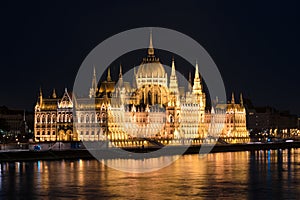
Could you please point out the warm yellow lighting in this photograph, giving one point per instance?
(152, 106)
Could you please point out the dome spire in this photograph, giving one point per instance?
(150, 49)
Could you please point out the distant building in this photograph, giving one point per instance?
(152, 106)
(15, 124)
(271, 121)
(269, 117)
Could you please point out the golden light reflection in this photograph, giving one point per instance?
(215, 175)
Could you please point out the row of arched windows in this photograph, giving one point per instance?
(48, 118)
(86, 118)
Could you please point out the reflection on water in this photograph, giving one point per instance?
(232, 175)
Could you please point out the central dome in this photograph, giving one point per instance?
(151, 67)
(151, 71)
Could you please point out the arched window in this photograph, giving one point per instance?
(149, 98)
(171, 119)
(81, 119)
(43, 118)
(103, 119)
(66, 118)
(142, 99)
(87, 119)
(48, 118)
(53, 118)
(98, 117)
(93, 118)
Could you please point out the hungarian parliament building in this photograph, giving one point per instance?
(149, 108)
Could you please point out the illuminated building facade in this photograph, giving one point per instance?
(150, 107)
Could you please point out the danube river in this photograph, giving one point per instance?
(271, 174)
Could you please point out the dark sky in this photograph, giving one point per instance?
(255, 44)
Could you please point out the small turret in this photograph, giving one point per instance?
(94, 88)
(232, 98)
(241, 100)
(41, 97)
(190, 82)
(54, 96)
(108, 75)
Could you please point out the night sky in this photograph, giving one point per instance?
(254, 44)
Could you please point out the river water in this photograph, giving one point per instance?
(273, 174)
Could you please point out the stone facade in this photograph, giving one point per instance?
(150, 107)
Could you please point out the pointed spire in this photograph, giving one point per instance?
(94, 88)
(241, 100)
(150, 49)
(173, 73)
(41, 93)
(54, 96)
(108, 75)
(120, 74)
(190, 82)
(120, 77)
(41, 96)
(197, 70)
(232, 98)
(94, 81)
(173, 87)
(150, 43)
(197, 87)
